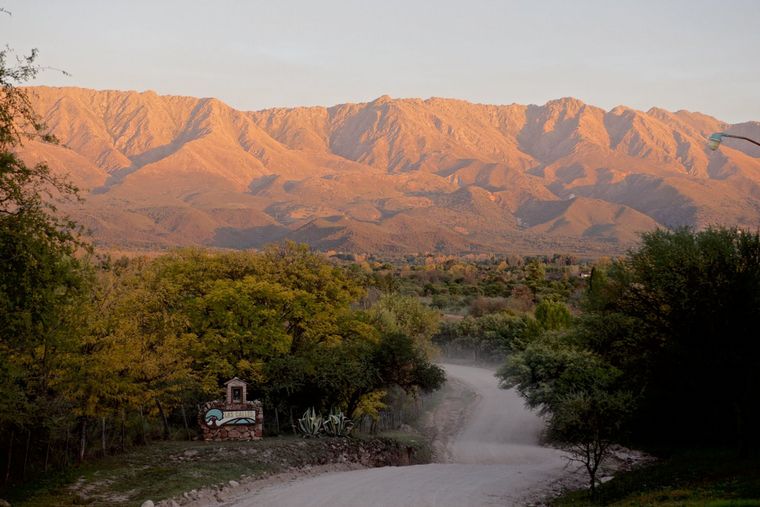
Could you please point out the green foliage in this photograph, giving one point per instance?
(310, 424)
(399, 362)
(336, 424)
(406, 315)
(489, 338)
(695, 300)
(553, 315)
(584, 397)
(535, 275)
(693, 478)
(667, 328)
(44, 286)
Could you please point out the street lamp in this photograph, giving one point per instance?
(715, 139)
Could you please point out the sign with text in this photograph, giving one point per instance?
(219, 417)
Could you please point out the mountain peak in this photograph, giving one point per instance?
(565, 102)
(382, 99)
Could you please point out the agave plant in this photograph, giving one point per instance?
(310, 425)
(337, 424)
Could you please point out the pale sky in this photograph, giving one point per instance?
(677, 54)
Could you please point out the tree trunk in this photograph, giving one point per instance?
(66, 451)
(103, 435)
(47, 454)
(277, 420)
(123, 428)
(82, 438)
(184, 421)
(10, 458)
(26, 453)
(163, 419)
(142, 426)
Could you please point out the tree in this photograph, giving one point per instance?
(588, 423)
(553, 315)
(665, 354)
(695, 297)
(490, 337)
(394, 313)
(41, 278)
(535, 275)
(584, 397)
(400, 362)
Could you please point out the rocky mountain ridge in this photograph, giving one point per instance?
(392, 175)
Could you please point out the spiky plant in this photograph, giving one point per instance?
(337, 424)
(310, 425)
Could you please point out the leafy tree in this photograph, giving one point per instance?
(553, 315)
(665, 355)
(41, 279)
(588, 423)
(490, 337)
(394, 313)
(584, 397)
(241, 323)
(400, 362)
(695, 297)
(535, 275)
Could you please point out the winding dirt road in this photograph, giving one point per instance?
(494, 460)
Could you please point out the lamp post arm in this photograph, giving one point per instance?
(742, 137)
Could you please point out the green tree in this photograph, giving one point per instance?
(395, 313)
(585, 398)
(41, 279)
(695, 297)
(553, 315)
(535, 275)
(665, 354)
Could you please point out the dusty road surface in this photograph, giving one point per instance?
(494, 460)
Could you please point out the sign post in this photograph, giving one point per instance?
(235, 418)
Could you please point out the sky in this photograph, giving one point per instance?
(696, 55)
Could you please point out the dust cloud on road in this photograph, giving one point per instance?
(495, 459)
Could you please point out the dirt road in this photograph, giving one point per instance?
(494, 460)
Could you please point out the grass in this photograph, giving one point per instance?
(709, 478)
(166, 469)
(158, 470)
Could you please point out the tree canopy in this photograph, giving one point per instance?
(670, 328)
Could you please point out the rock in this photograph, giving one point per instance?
(4, 503)
(234, 484)
(190, 453)
(148, 503)
(82, 500)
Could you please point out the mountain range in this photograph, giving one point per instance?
(391, 176)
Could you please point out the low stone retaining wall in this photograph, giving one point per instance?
(291, 458)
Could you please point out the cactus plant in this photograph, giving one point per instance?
(310, 425)
(337, 425)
